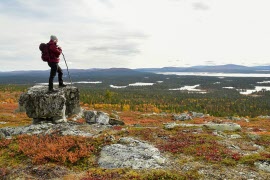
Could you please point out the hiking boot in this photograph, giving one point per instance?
(62, 85)
(52, 91)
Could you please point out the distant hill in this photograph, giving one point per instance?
(30, 77)
(228, 68)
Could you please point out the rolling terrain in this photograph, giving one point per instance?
(175, 114)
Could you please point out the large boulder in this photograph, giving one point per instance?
(41, 105)
(130, 153)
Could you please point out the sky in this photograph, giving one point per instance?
(135, 33)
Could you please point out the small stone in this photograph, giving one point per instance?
(171, 125)
(109, 138)
(102, 118)
(263, 165)
(90, 116)
(254, 137)
(98, 117)
(235, 136)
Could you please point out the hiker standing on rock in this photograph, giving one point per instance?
(54, 52)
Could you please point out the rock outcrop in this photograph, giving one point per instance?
(187, 116)
(96, 117)
(41, 105)
(130, 153)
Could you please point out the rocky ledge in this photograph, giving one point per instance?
(68, 128)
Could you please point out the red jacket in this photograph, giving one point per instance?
(54, 51)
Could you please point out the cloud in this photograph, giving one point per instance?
(82, 33)
(134, 33)
(119, 49)
(200, 6)
(107, 3)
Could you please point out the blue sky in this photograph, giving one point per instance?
(135, 33)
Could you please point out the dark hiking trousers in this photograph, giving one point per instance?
(55, 68)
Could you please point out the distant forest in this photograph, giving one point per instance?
(218, 101)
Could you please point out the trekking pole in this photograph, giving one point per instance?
(67, 68)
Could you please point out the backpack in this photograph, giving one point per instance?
(45, 54)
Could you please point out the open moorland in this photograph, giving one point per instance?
(149, 106)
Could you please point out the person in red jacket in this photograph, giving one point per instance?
(55, 52)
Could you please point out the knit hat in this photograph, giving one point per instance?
(53, 37)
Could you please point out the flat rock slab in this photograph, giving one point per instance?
(68, 128)
(214, 126)
(130, 153)
(224, 126)
(41, 105)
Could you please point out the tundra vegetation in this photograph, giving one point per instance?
(193, 152)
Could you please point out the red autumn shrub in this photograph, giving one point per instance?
(117, 128)
(3, 172)
(200, 146)
(55, 148)
(4, 142)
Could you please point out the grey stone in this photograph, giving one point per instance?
(263, 165)
(90, 116)
(195, 114)
(79, 115)
(130, 153)
(171, 125)
(98, 117)
(254, 137)
(264, 117)
(219, 133)
(102, 118)
(235, 136)
(182, 117)
(68, 128)
(41, 105)
(218, 127)
(224, 126)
